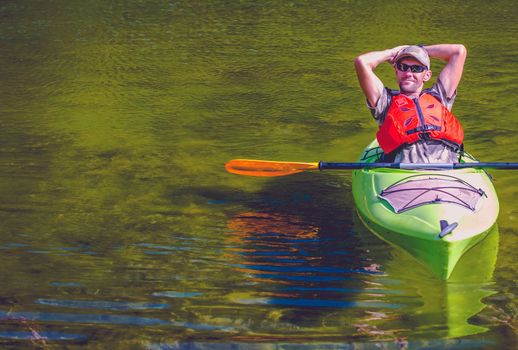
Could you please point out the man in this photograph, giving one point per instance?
(416, 124)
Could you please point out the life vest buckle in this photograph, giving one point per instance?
(424, 136)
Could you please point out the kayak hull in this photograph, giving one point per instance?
(417, 230)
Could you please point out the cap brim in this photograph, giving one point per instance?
(411, 56)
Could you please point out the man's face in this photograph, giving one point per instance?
(411, 82)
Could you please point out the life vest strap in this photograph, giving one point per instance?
(424, 128)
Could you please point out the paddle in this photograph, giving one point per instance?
(253, 167)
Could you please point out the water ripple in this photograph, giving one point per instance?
(302, 269)
(83, 318)
(316, 303)
(344, 290)
(172, 294)
(46, 335)
(102, 305)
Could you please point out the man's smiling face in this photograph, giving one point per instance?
(411, 82)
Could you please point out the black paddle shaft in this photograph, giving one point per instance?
(416, 166)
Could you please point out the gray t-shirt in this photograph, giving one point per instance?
(422, 151)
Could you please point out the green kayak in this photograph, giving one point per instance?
(435, 215)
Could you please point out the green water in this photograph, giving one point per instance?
(119, 227)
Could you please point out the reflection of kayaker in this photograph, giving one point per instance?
(416, 125)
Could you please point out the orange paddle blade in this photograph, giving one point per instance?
(252, 167)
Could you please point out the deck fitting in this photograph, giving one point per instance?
(447, 228)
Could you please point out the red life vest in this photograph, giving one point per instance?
(409, 120)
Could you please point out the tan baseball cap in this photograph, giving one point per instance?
(416, 52)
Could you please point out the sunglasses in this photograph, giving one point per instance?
(414, 68)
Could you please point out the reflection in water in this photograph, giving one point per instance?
(446, 307)
(305, 270)
(287, 250)
(270, 246)
(308, 273)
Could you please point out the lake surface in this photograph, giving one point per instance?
(119, 227)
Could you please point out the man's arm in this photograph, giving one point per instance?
(455, 56)
(365, 64)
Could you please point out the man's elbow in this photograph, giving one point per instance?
(461, 50)
(360, 64)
